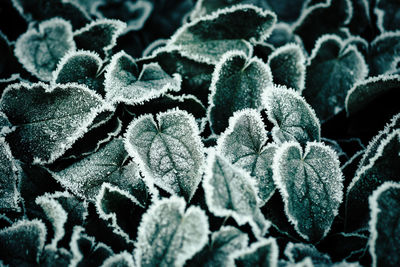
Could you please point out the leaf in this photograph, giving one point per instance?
(362, 94)
(230, 191)
(123, 83)
(9, 195)
(293, 118)
(238, 83)
(300, 251)
(263, 253)
(22, 243)
(331, 59)
(46, 122)
(311, 185)
(322, 18)
(40, 50)
(168, 236)
(223, 244)
(109, 164)
(169, 151)
(383, 166)
(99, 36)
(55, 257)
(387, 13)
(206, 39)
(45, 9)
(281, 35)
(80, 67)
(384, 225)
(360, 23)
(244, 144)
(287, 10)
(123, 259)
(384, 53)
(287, 65)
(5, 125)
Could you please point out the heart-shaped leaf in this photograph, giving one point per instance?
(287, 65)
(384, 225)
(244, 144)
(264, 252)
(169, 151)
(168, 236)
(99, 36)
(384, 53)
(293, 118)
(311, 185)
(123, 83)
(39, 51)
(230, 191)
(238, 83)
(206, 39)
(46, 122)
(329, 60)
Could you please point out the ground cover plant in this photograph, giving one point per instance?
(199, 133)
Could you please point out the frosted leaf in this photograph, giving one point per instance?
(5, 125)
(22, 243)
(85, 251)
(322, 18)
(45, 9)
(383, 166)
(48, 119)
(39, 51)
(384, 243)
(364, 93)
(123, 82)
(206, 39)
(281, 35)
(99, 36)
(9, 195)
(361, 20)
(123, 259)
(223, 244)
(169, 236)
(230, 191)
(55, 257)
(384, 53)
(244, 145)
(169, 151)
(311, 185)
(238, 83)
(287, 65)
(293, 118)
(118, 206)
(80, 67)
(388, 15)
(333, 70)
(85, 177)
(299, 251)
(263, 253)
(57, 216)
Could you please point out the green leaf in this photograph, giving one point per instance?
(384, 243)
(99, 36)
(169, 151)
(238, 83)
(123, 82)
(206, 39)
(244, 144)
(383, 166)
(39, 51)
(384, 53)
(48, 119)
(388, 13)
(322, 18)
(22, 243)
(293, 118)
(281, 35)
(311, 185)
(80, 67)
(109, 164)
(360, 22)
(287, 65)
(299, 251)
(363, 93)
(263, 253)
(230, 191)
(123, 259)
(331, 59)
(55, 257)
(169, 236)
(9, 195)
(223, 244)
